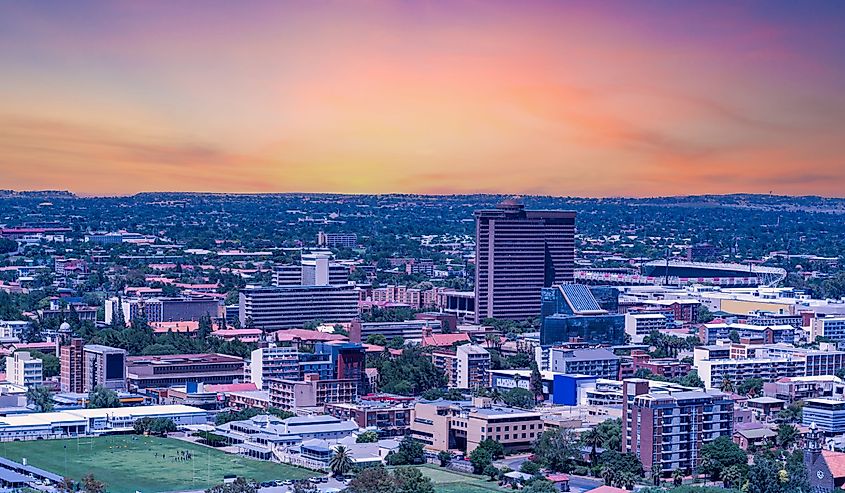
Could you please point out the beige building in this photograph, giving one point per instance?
(311, 392)
(445, 425)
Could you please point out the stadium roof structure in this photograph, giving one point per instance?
(581, 300)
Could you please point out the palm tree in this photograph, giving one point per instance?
(592, 438)
(626, 480)
(495, 395)
(678, 477)
(727, 385)
(341, 461)
(608, 475)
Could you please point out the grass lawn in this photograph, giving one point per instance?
(446, 481)
(127, 463)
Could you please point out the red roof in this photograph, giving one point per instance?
(607, 489)
(835, 462)
(443, 340)
(230, 387)
(184, 326)
(558, 478)
(237, 332)
(306, 335)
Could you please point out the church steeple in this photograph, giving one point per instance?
(814, 441)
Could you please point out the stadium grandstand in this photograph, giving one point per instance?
(680, 272)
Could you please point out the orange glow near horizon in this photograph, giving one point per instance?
(560, 98)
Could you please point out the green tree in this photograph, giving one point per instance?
(529, 467)
(480, 458)
(751, 387)
(540, 486)
(491, 472)
(692, 379)
(410, 452)
(101, 397)
(377, 339)
(557, 449)
(763, 476)
(367, 437)
(720, 454)
(622, 465)
(341, 461)
(787, 435)
(40, 398)
(444, 457)
(412, 480)
(536, 382)
(519, 397)
(592, 439)
(497, 450)
(372, 480)
(733, 476)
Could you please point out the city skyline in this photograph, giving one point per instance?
(557, 98)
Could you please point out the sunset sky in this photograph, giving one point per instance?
(590, 98)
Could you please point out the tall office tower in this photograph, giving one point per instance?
(517, 253)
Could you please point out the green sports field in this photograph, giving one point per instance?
(446, 481)
(130, 463)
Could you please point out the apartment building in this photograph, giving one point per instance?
(473, 366)
(768, 362)
(770, 334)
(337, 240)
(796, 389)
(449, 425)
(596, 362)
(831, 328)
(24, 370)
(667, 429)
(639, 325)
(311, 392)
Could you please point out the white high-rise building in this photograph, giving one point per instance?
(24, 370)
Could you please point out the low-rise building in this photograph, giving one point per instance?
(145, 372)
(447, 425)
(597, 362)
(389, 419)
(793, 389)
(770, 334)
(77, 422)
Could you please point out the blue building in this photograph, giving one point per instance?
(571, 311)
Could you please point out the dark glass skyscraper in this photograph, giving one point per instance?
(517, 253)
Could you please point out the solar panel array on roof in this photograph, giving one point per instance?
(580, 298)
